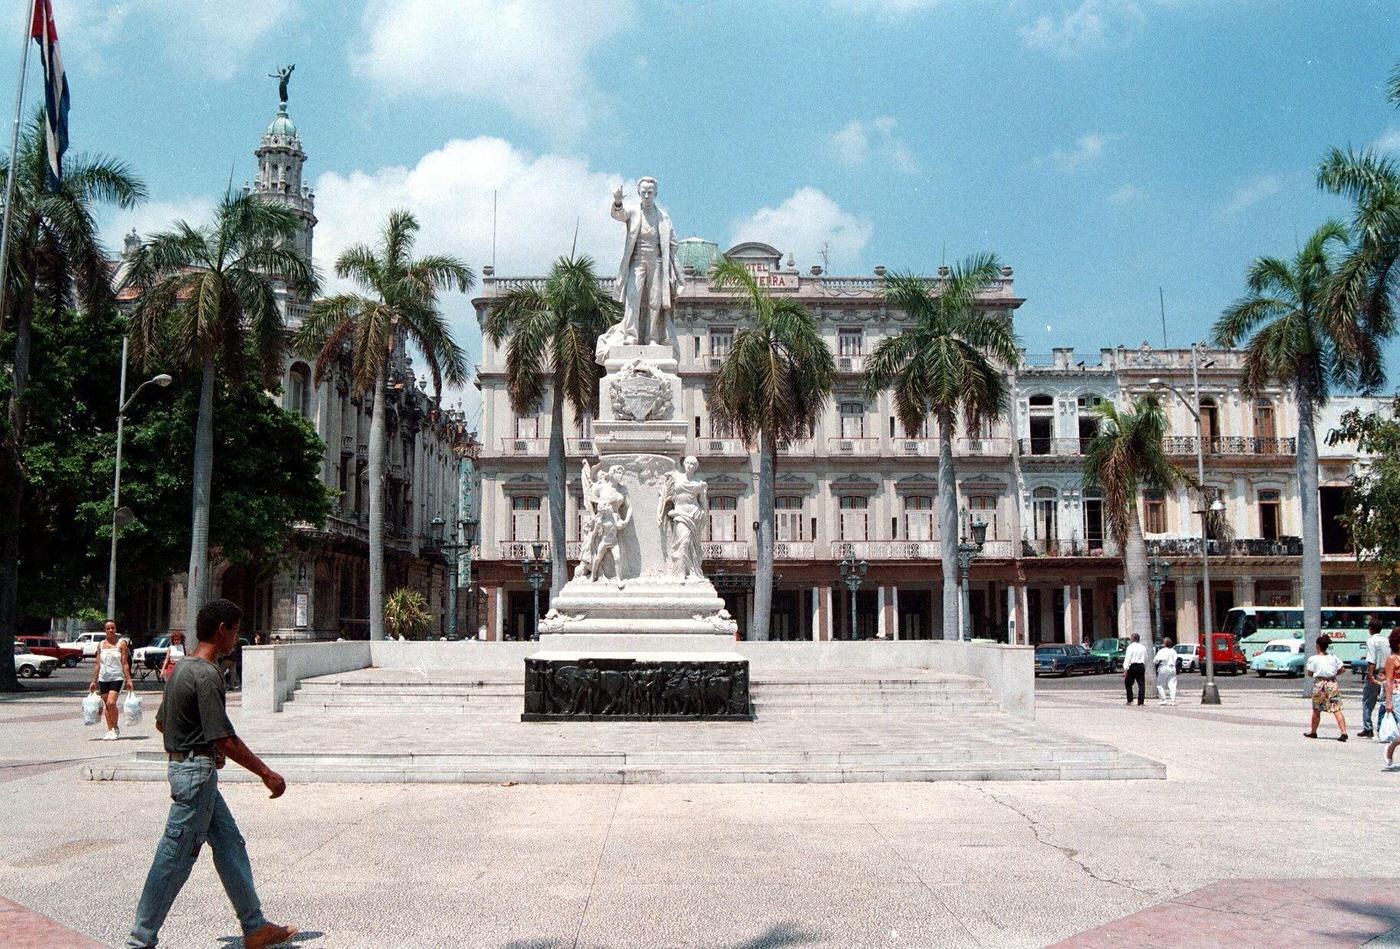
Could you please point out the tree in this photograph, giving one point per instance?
(208, 296)
(1126, 456)
(945, 364)
(771, 389)
(1373, 498)
(552, 333)
(406, 614)
(1302, 335)
(54, 257)
(400, 308)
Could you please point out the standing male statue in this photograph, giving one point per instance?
(648, 278)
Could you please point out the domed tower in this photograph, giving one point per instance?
(280, 161)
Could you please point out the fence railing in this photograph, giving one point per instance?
(1055, 447)
(995, 447)
(1073, 547)
(535, 447)
(716, 447)
(1231, 445)
(853, 447)
(1239, 547)
(915, 447)
(725, 550)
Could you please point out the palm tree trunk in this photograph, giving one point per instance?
(197, 579)
(1135, 575)
(378, 446)
(1312, 526)
(948, 525)
(14, 483)
(559, 559)
(763, 569)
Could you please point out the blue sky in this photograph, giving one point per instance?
(1103, 148)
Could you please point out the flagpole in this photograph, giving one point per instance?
(10, 171)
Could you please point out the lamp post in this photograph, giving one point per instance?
(1157, 575)
(536, 568)
(967, 552)
(120, 517)
(452, 551)
(469, 529)
(1210, 694)
(852, 573)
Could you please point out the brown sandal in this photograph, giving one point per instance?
(1309, 734)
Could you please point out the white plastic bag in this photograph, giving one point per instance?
(92, 708)
(1390, 728)
(131, 709)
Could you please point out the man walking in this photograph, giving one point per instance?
(198, 737)
(1135, 669)
(1377, 651)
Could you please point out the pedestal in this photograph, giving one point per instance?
(567, 685)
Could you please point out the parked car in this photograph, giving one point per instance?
(28, 665)
(1280, 657)
(1112, 651)
(47, 646)
(1068, 659)
(1185, 657)
(150, 658)
(89, 643)
(1226, 653)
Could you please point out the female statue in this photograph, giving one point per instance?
(681, 516)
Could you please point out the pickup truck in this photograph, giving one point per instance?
(68, 656)
(89, 642)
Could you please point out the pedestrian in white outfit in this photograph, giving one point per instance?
(1165, 661)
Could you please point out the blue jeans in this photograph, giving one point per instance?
(1370, 699)
(197, 813)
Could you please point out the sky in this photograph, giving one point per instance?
(1105, 149)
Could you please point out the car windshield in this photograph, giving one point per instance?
(1278, 647)
(1185, 648)
(161, 642)
(1105, 645)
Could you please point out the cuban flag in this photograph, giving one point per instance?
(55, 88)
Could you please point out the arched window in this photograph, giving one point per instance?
(525, 517)
(724, 517)
(1154, 510)
(1044, 516)
(298, 397)
(788, 512)
(855, 521)
(918, 517)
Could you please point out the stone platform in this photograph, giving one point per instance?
(570, 685)
(855, 725)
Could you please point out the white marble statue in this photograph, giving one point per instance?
(606, 514)
(648, 278)
(681, 516)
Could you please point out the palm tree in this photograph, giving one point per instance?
(1301, 334)
(945, 364)
(55, 258)
(1127, 455)
(400, 308)
(770, 389)
(553, 331)
(208, 295)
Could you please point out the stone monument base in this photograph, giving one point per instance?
(563, 685)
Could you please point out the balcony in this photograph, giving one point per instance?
(726, 550)
(1074, 547)
(852, 363)
(520, 549)
(1239, 547)
(984, 447)
(798, 449)
(998, 550)
(1232, 445)
(525, 447)
(1055, 447)
(915, 447)
(720, 448)
(853, 447)
(885, 549)
(580, 447)
(794, 550)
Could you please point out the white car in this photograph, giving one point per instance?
(28, 665)
(1186, 657)
(89, 643)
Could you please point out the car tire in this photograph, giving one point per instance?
(1259, 673)
(26, 672)
(71, 663)
(45, 675)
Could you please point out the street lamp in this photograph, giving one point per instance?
(536, 568)
(469, 529)
(967, 552)
(451, 551)
(122, 517)
(852, 573)
(1210, 694)
(1157, 576)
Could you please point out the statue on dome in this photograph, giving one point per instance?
(283, 76)
(648, 278)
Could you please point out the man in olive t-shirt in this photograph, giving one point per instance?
(198, 737)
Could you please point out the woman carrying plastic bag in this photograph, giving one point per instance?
(131, 709)
(92, 708)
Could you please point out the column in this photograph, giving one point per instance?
(1125, 613)
(1244, 593)
(1074, 617)
(1103, 609)
(881, 627)
(496, 606)
(828, 623)
(1047, 614)
(1188, 623)
(1016, 609)
(818, 613)
(894, 612)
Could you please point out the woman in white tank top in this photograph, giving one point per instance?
(111, 670)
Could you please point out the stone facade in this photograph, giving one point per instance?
(862, 487)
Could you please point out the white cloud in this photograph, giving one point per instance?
(153, 216)
(1088, 148)
(859, 140)
(203, 35)
(804, 225)
(1251, 193)
(1127, 194)
(519, 54)
(1093, 24)
(1389, 141)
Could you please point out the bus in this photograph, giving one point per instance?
(1255, 626)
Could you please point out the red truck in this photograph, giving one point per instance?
(46, 646)
(1228, 656)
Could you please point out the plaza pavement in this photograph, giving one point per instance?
(1246, 798)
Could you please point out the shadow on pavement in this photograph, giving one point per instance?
(304, 936)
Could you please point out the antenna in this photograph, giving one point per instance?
(493, 228)
(1162, 302)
